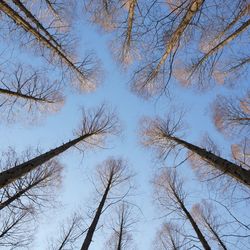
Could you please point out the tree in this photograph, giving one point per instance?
(169, 237)
(171, 196)
(16, 228)
(36, 188)
(96, 125)
(204, 214)
(232, 114)
(122, 237)
(83, 75)
(112, 173)
(70, 233)
(160, 134)
(28, 89)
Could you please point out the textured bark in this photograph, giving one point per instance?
(10, 175)
(237, 172)
(176, 36)
(23, 96)
(92, 228)
(39, 37)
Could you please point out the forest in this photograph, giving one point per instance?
(124, 124)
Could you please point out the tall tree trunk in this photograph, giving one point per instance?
(119, 245)
(231, 37)
(39, 37)
(194, 224)
(216, 236)
(237, 172)
(176, 36)
(23, 96)
(92, 228)
(37, 23)
(10, 175)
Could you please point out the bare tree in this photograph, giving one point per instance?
(232, 114)
(171, 196)
(96, 125)
(36, 188)
(28, 89)
(122, 227)
(210, 221)
(152, 78)
(83, 74)
(160, 134)
(169, 237)
(16, 228)
(112, 173)
(70, 233)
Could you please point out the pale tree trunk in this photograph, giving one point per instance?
(176, 36)
(92, 228)
(39, 37)
(231, 37)
(194, 224)
(237, 172)
(12, 174)
(23, 96)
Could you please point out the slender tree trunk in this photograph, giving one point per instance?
(119, 245)
(37, 23)
(231, 37)
(92, 228)
(39, 37)
(194, 225)
(23, 96)
(10, 175)
(176, 36)
(19, 194)
(216, 236)
(237, 172)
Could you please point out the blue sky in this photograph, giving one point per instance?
(52, 130)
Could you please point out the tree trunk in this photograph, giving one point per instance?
(19, 194)
(92, 228)
(119, 245)
(176, 36)
(237, 172)
(10, 175)
(231, 37)
(39, 37)
(23, 96)
(194, 225)
(216, 236)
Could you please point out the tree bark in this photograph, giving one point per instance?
(10, 175)
(119, 246)
(92, 228)
(237, 172)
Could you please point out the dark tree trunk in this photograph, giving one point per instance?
(10, 175)
(92, 228)
(237, 172)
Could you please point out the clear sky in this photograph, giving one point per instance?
(77, 191)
